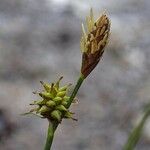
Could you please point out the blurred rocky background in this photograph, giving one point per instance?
(39, 40)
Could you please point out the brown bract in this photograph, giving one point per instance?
(93, 42)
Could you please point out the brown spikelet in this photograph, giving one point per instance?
(93, 42)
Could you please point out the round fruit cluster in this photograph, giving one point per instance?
(53, 104)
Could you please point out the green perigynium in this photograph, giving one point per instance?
(53, 102)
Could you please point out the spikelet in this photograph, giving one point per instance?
(94, 41)
(53, 102)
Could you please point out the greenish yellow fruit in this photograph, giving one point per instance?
(57, 83)
(40, 102)
(35, 109)
(54, 91)
(68, 115)
(64, 88)
(51, 104)
(61, 108)
(56, 115)
(66, 98)
(57, 100)
(46, 86)
(61, 94)
(44, 109)
(46, 95)
(64, 103)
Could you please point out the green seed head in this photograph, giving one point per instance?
(53, 104)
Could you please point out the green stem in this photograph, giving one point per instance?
(50, 135)
(79, 82)
(53, 125)
(136, 133)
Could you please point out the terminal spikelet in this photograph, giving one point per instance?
(94, 41)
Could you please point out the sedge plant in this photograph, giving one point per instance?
(54, 102)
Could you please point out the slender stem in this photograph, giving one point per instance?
(79, 82)
(50, 135)
(53, 125)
